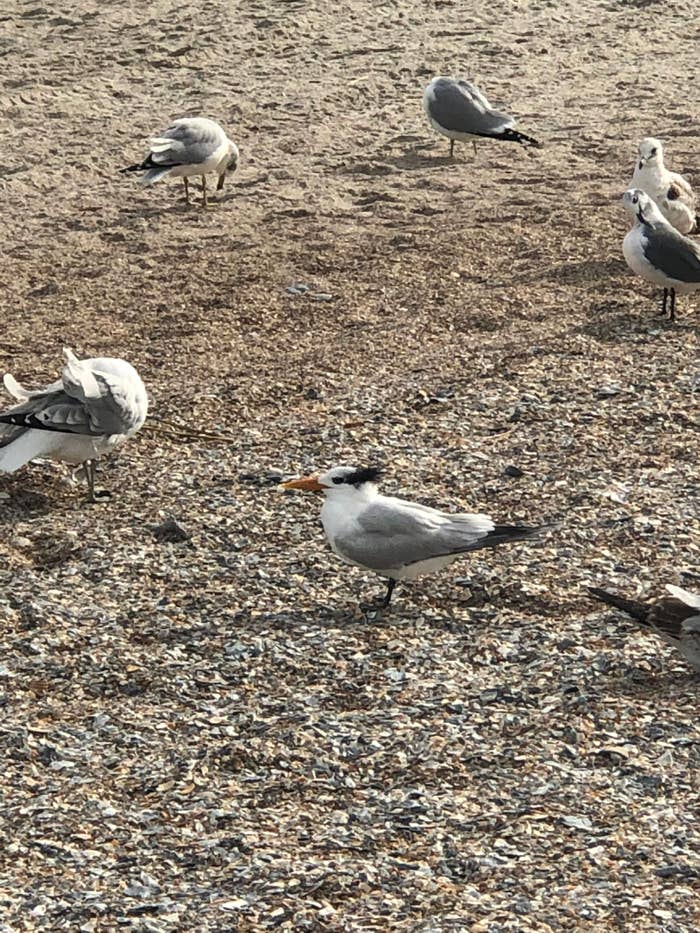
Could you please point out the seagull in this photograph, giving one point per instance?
(95, 405)
(674, 618)
(657, 252)
(191, 146)
(392, 537)
(459, 110)
(672, 193)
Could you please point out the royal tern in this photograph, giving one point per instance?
(672, 193)
(94, 406)
(675, 618)
(657, 252)
(459, 111)
(392, 537)
(191, 146)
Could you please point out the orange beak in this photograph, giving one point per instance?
(309, 483)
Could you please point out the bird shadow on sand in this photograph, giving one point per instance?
(612, 321)
(586, 273)
(177, 207)
(456, 610)
(386, 162)
(18, 502)
(413, 160)
(667, 682)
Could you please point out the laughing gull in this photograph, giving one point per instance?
(459, 110)
(191, 146)
(672, 193)
(674, 618)
(392, 537)
(95, 405)
(657, 252)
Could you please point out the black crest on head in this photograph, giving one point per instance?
(366, 475)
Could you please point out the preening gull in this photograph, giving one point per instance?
(460, 111)
(675, 618)
(672, 193)
(191, 146)
(95, 405)
(658, 252)
(393, 537)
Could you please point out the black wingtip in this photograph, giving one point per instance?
(515, 136)
(504, 534)
(631, 607)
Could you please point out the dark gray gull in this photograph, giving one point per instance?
(395, 538)
(460, 111)
(191, 146)
(674, 618)
(657, 252)
(96, 404)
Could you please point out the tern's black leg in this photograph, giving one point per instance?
(187, 189)
(452, 148)
(474, 145)
(663, 303)
(672, 315)
(389, 591)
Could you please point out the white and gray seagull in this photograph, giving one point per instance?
(657, 252)
(190, 146)
(674, 618)
(459, 111)
(395, 538)
(95, 405)
(672, 193)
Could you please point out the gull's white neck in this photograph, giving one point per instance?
(650, 173)
(652, 216)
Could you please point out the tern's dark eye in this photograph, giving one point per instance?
(337, 480)
(653, 151)
(634, 201)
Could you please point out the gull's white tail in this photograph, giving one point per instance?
(27, 446)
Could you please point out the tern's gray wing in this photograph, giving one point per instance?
(672, 253)
(186, 142)
(392, 533)
(454, 106)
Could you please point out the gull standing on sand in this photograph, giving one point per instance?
(94, 406)
(675, 618)
(672, 193)
(191, 146)
(393, 537)
(459, 111)
(658, 252)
